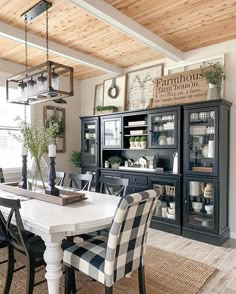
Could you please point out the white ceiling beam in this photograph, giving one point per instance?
(125, 24)
(18, 35)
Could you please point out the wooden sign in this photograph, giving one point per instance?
(184, 87)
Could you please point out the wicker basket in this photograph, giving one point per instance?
(170, 190)
(160, 188)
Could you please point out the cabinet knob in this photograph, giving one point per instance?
(120, 133)
(134, 179)
(186, 201)
(150, 131)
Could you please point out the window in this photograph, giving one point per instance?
(10, 149)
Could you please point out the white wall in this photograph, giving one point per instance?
(87, 97)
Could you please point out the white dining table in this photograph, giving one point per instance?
(53, 223)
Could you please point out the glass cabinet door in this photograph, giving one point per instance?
(200, 203)
(89, 143)
(111, 133)
(201, 141)
(163, 130)
(169, 209)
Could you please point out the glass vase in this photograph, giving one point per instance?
(37, 174)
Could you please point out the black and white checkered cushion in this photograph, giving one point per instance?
(109, 259)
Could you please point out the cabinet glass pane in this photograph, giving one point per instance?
(163, 130)
(112, 131)
(167, 198)
(89, 145)
(201, 204)
(202, 141)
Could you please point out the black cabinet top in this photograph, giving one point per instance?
(207, 103)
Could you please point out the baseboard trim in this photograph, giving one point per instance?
(232, 235)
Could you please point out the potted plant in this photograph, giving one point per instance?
(131, 142)
(76, 158)
(143, 142)
(137, 142)
(106, 109)
(60, 123)
(115, 161)
(214, 75)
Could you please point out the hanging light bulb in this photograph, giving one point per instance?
(55, 80)
(41, 83)
(22, 87)
(31, 86)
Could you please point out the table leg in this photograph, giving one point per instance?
(53, 257)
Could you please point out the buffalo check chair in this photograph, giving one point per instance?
(108, 259)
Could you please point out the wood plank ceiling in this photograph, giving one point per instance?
(186, 24)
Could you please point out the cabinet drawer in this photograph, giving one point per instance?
(133, 179)
(135, 189)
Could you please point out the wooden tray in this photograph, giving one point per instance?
(66, 197)
(202, 169)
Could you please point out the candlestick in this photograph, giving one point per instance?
(52, 190)
(52, 150)
(24, 150)
(23, 183)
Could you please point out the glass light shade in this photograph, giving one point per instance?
(41, 83)
(22, 87)
(31, 86)
(55, 80)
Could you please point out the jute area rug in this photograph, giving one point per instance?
(166, 273)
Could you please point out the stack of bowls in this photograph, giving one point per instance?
(197, 206)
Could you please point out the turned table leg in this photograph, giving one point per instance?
(53, 258)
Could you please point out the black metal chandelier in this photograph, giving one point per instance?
(40, 83)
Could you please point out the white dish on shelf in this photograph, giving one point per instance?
(91, 127)
(170, 216)
(171, 211)
(137, 123)
(172, 205)
(209, 209)
(137, 132)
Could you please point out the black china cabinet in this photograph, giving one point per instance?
(192, 138)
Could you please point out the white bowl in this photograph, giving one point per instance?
(197, 206)
(170, 216)
(172, 205)
(171, 211)
(209, 209)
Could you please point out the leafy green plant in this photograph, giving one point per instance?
(131, 139)
(36, 138)
(60, 122)
(143, 139)
(76, 158)
(137, 139)
(214, 74)
(108, 107)
(115, 160)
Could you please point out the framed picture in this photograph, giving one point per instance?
(57, 114)
(114, 92)
(98, 97)
(139, 89)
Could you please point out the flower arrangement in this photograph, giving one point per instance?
(36, 138)
(59, 121)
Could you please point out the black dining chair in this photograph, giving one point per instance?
(109, 184)
(28, 251)
(81, 181)
(60, 178)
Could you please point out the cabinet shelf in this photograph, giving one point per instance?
(133, 127)
(128, 135)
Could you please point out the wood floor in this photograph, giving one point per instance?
(223, 258)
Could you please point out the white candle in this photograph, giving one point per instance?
(24, 151)
(52, 150)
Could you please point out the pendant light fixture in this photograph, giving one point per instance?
(40, 83)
